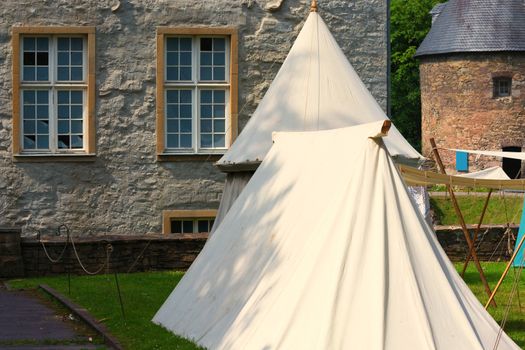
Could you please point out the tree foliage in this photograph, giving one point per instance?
(410, 22)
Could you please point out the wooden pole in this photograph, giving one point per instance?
(491, 298)
(462, 222)
(476, 233)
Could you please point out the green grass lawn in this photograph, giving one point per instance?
(143, 294)
(501, 209)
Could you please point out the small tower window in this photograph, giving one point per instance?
(502, 86)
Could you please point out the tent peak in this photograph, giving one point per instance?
(313, 6)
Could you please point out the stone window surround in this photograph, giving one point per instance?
(168, 215)
(90, 143)
(162, 32)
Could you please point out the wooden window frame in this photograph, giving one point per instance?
(162, 33)
(167, 215)
(90, 142)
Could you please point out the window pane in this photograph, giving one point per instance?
(218, 73)
(206, 96)
(206, 73)
(29, 73)
(172, 73)
(42, 112)
(29, 112)
(29, 44)
(63, 44)
(172, 44)
(42, 142)
(172, 125)
(219, 44)
(42, 74)
(172, 140)
(185, 73)
(172, 96)
(206, 44)
(29, 127)
(43, 127)
(76, 58)
(206, 140)
(77, 141)
(63, 112)
(187, 226)
(76, 97)
(172, 111)
(42, 59)
(218, 111)
(206, 125)
(42, 44)
(63, 97)
(219, 58)
(185, 140)
(218, 125)
(185, 96)
(63, 73)
(203, 226)
(63, 141)
(29, 58)
(218, 140)
(63, 126)
(219, 96)
(206, 111)
(76, 112)
(76, 126)
(172, 58)
(185, 44)
(29, 96)
(206, 58)
(185, 111)
(185, 58)
(76, 73)
(29, 141)
(76, 44)
(176, 226)
(63, 58)
(185, 125)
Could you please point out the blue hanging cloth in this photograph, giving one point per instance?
(518, 261)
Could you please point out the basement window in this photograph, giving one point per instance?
(187, 221)
(502, 86)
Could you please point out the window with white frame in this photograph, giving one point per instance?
(52, 88)
(197, 90)
(188, 221)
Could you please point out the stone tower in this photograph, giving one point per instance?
(472, 66)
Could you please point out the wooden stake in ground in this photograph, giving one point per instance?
(476, 233)
(518, 247)
(462, 222)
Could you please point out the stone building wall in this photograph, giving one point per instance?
(458, 107)
(125, 189)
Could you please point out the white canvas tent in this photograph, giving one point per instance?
(326, 250)
(316, 88)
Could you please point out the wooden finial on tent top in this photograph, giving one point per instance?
(313, 6)
(386, 127)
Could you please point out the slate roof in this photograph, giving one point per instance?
(476, 26)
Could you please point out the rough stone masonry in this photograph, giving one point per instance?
(125, 189)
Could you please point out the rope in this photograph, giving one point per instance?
(499, 243)
(515, 283)
(61, 255)
(108, 250)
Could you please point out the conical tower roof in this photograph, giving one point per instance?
(315, 89)
(476, 26)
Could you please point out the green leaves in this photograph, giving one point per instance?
(410, 22)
